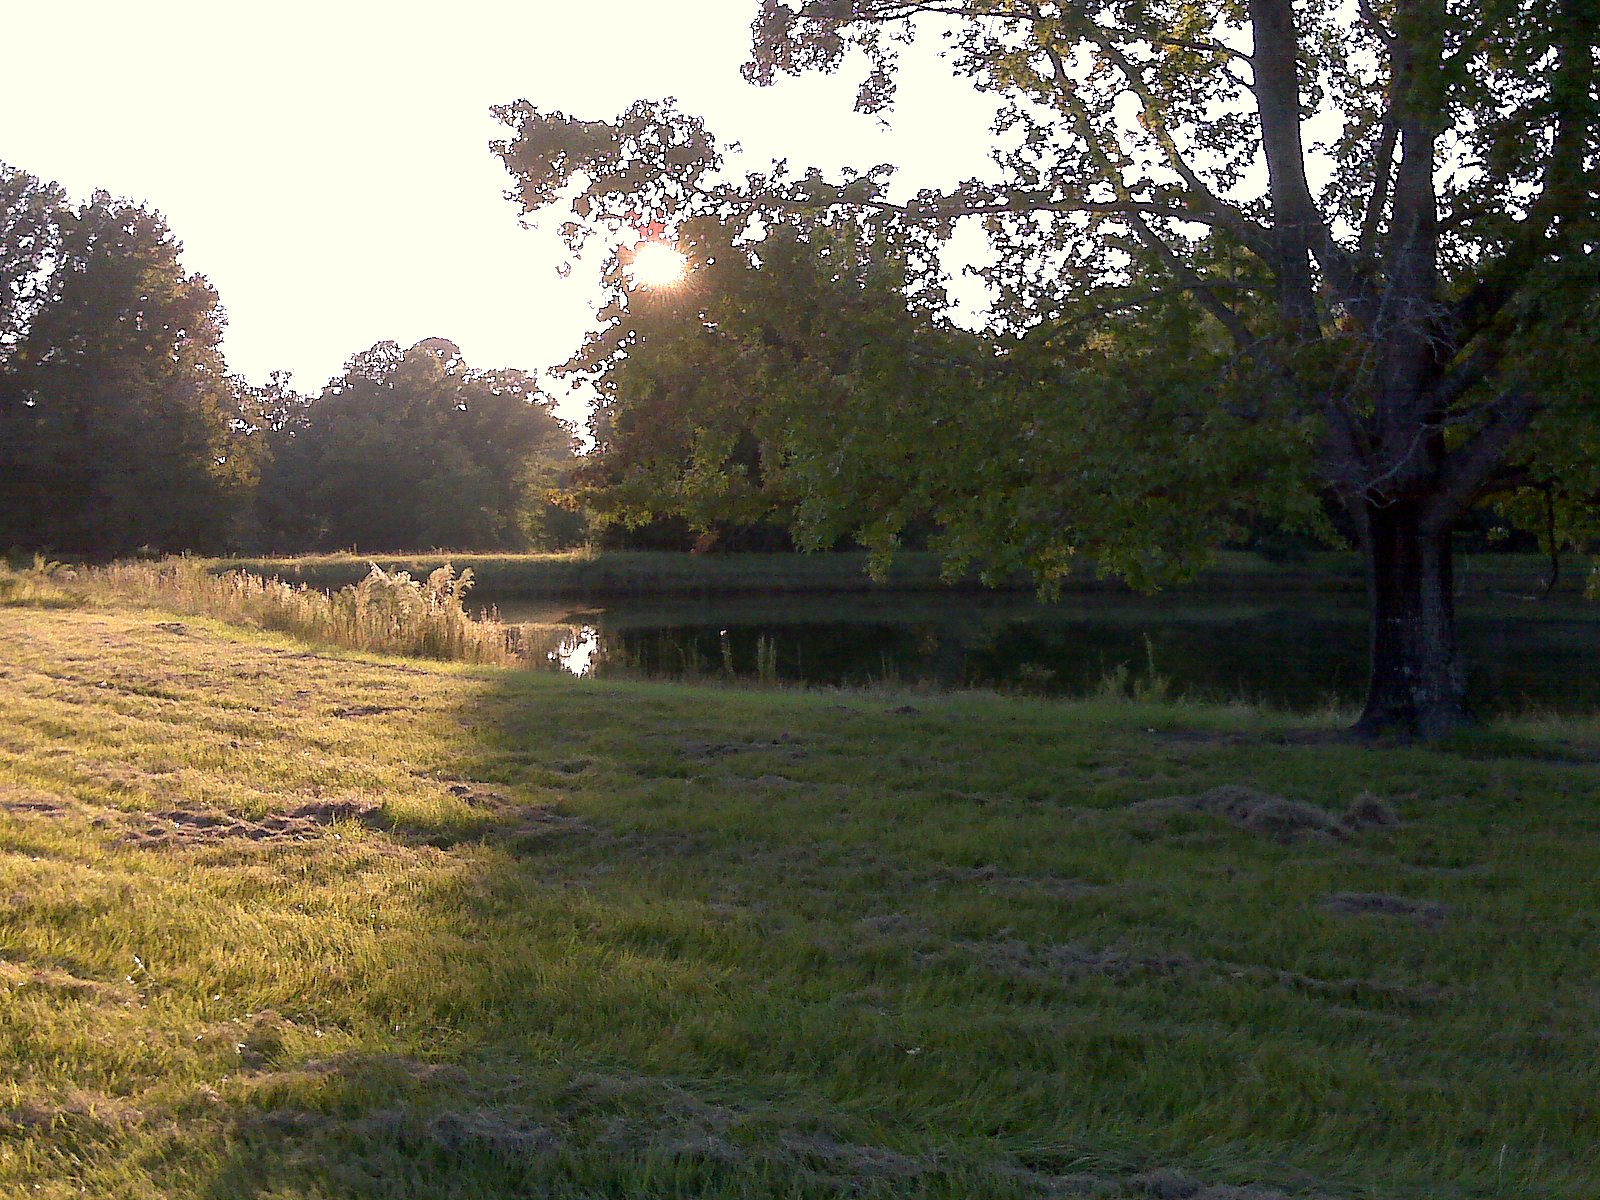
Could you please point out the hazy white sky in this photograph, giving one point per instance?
(326, 164)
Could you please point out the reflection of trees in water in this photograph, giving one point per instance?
(1300, 658)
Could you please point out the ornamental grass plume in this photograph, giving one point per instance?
(385, 613)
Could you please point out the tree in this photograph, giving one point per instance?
(707, 390)
(119, 424)
(797, 375)
(1375, 221)
(413, 449)
(31, 215)
(275, 418)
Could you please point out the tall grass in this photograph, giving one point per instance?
(37, 587)
(385, 613)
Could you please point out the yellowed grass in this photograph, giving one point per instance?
(385, 613)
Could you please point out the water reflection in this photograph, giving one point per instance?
(576, 653)
(1299, 652)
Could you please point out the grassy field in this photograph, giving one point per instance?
(285, 922)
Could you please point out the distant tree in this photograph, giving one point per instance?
(412, 450)
(275, 416)
(1401, 314)
(119, 424)
(31, 216)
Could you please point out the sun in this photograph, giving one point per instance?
(658, 265)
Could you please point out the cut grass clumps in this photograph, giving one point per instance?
(1274, 816)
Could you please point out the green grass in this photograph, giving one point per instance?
(288, 923)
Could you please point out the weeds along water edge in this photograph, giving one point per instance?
(387, 612)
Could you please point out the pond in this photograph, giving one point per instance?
(1299, 651)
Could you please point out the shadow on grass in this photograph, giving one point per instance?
(625, 940)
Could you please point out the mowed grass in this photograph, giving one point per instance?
(281, 922)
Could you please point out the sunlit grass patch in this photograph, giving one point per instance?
(385, 612)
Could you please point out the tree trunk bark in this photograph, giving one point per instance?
(1416, 686)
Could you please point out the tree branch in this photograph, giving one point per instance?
(1206, 47)
(1383, 168)
(1229, 217)
(1371, 19)
(1469, 468)
(1020, 203)
(1467, 374)
(1170, 259)
(1278, 104)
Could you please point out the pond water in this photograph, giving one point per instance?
(1299, 651)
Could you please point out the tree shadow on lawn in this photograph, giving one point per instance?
(652, 941)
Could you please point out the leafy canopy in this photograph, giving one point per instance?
(1366, 229)
(414, 448)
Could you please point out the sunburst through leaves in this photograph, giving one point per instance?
(658, 265)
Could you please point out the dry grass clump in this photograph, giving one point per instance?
(1274, 816)
(385, 613)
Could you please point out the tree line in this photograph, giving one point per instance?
(1249, 261)
(122, 429)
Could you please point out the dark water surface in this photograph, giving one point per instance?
(1293, 650)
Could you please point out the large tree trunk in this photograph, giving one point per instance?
(1416, 686)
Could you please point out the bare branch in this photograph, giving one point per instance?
(1250, 232)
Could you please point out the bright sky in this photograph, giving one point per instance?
(326, 164)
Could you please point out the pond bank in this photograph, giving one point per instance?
(585, 575)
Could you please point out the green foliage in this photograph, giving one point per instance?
(799, 377)
(711, 391)
(119, 425)
(414, 449)
(32, 214)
